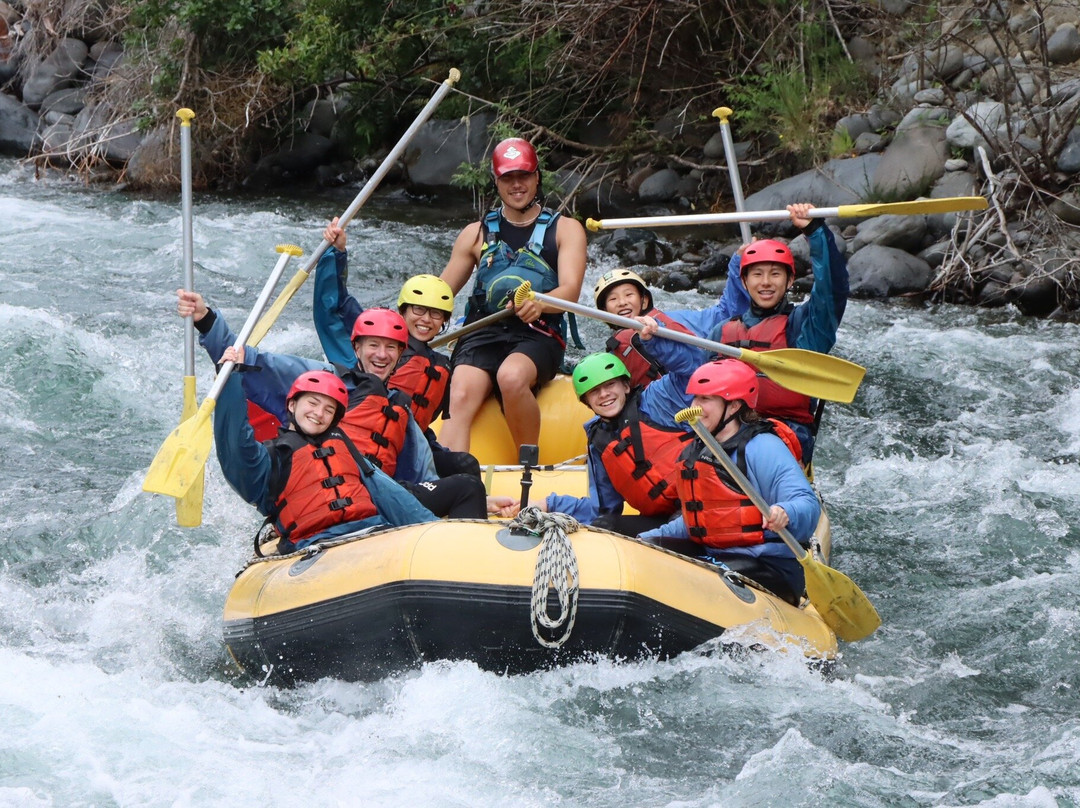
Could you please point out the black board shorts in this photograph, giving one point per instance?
(488, 348)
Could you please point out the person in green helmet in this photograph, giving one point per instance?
(633, 441)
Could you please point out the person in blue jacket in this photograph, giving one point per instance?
(397, 443)
(716, 516)
(633, 443)
(624, 292)
(310, 481)
(426, 304)
(767, 268)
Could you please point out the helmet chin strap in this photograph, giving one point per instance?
(726, 419)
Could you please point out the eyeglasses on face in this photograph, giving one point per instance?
(420, 311)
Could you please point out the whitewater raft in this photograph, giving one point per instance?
(363, 606)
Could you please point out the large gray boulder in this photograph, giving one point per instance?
(440, 147)
(877, 271)
(61, 68)
(910, 164)
(838, 182)
(18, 124)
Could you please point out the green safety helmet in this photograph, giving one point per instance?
(595, 369)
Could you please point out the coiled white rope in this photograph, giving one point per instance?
(556, 568)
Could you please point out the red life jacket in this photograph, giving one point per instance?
(716, 511)
(768, 335)
(630, 348)
(374, 422)
(317, 484)
(423, 375)
(640, 456)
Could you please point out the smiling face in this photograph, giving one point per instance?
(608, 399)
(378, 355)
(423, 323)
(312, 412)
(626, 300)
(766, 282)
(517, 189)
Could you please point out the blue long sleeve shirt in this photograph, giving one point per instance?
(812, 325)
(734, 301)
(268, 387)
(333, 308)
(249, 468)
(775, 474)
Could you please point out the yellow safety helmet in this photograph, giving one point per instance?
(613, 278)
(427, 290)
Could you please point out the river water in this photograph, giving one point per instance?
(953, 482)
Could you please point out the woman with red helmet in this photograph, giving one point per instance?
(519, 240)
(377, 420)
(311, 482)
(716, 516)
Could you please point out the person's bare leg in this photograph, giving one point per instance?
(516, 376)
(469, 389)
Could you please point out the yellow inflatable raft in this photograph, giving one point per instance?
(362, 606)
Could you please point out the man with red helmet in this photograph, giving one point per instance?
(767, 268)
(422, 373)
(716, 515)
(311, 482)
(521, 240)
(377, 420)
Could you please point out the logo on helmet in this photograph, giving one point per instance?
(511, 153)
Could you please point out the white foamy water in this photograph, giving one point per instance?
(952, 482)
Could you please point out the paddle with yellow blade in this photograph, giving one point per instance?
(189, 506)
(838, 599)
(723, 113)
(811, 373)
(302, 274)
(181, 458)
(950, 204)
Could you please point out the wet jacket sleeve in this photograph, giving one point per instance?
(415, 463)
(245, 463)
(813, 324)
(733, 303)
(675, 529)
(333, 308)
(602, 499)
(777, 476)
(268, 385)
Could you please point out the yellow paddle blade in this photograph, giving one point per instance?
(190, 506)
(181, 458)
(839, 601)
(950, 204)
(811, 373)
(268, 319)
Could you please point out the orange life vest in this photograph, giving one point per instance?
(716, 511)
(640, 456)
(769, 335)
(630, 348)
(317, 484)
(375, 422)
(423, 375)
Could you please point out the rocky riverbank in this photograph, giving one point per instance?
(988, 108)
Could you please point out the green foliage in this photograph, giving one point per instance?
(794, 102)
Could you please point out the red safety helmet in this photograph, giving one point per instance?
(381, 323)
(767, 250)
(514, 154)
(729, 379)
(324, 382)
